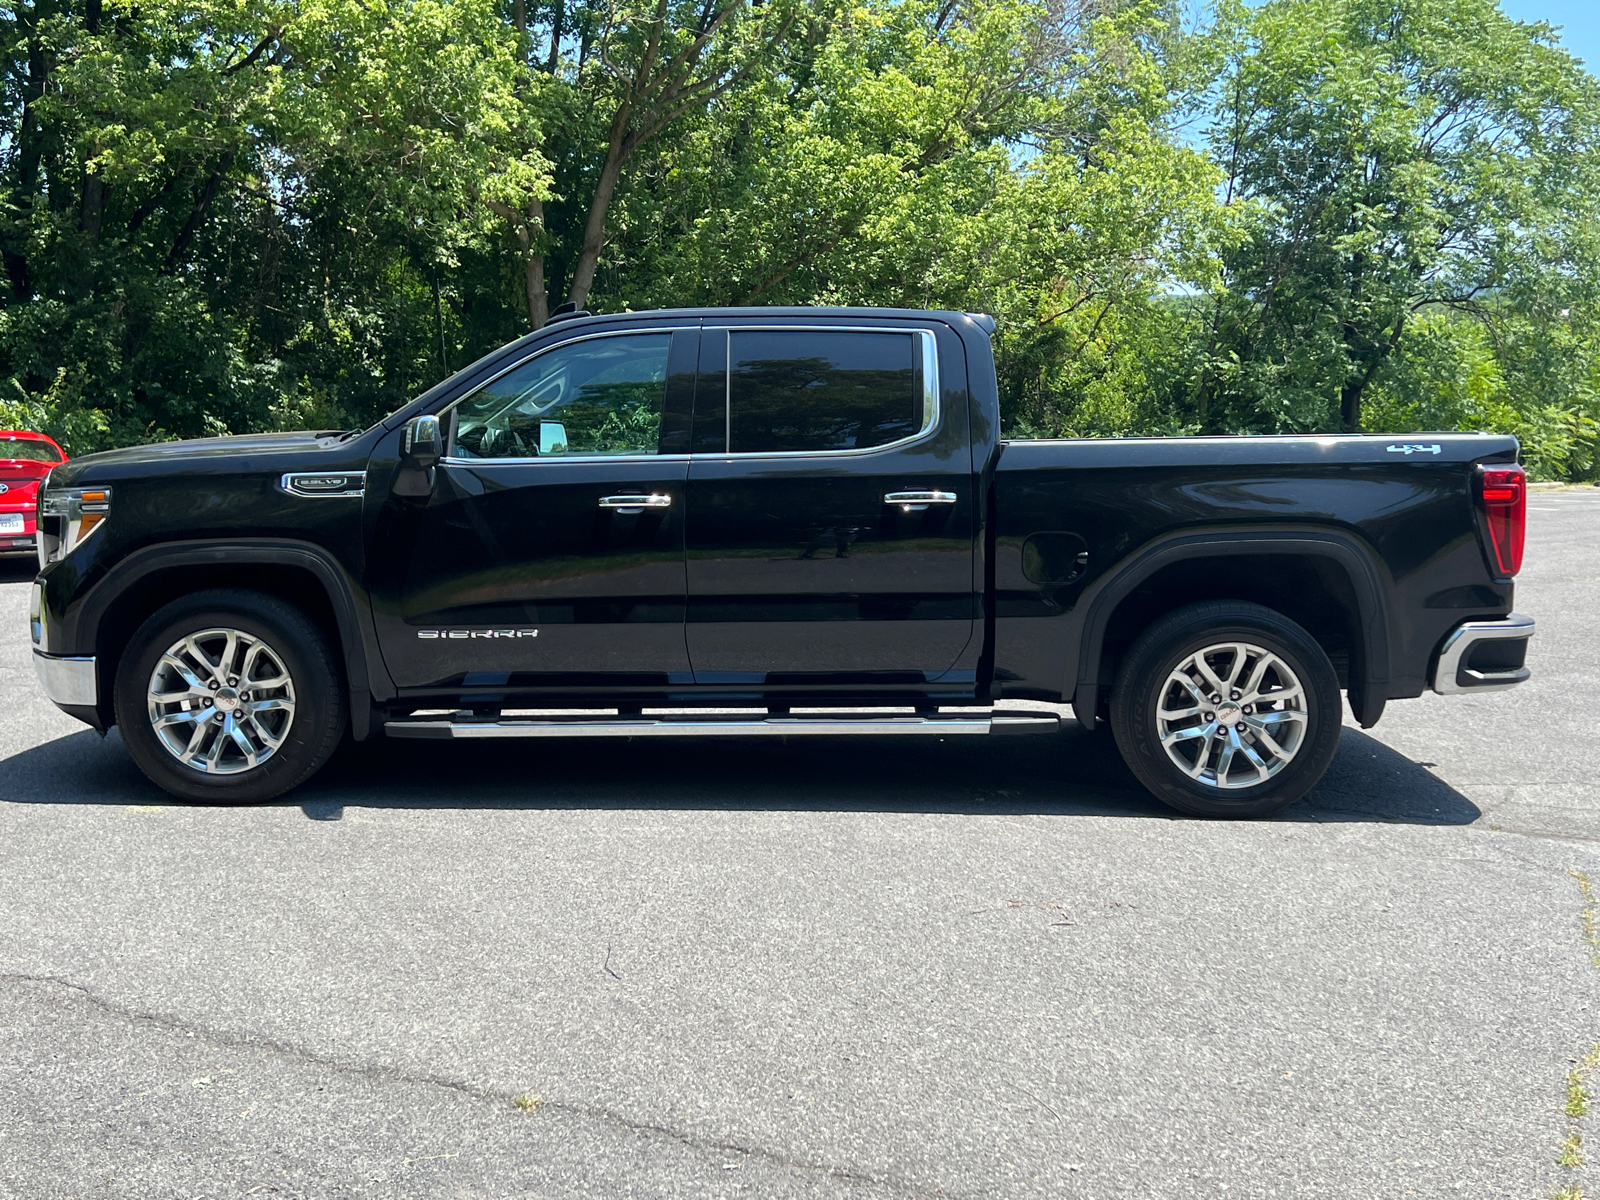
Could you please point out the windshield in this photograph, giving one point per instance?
(28, 450)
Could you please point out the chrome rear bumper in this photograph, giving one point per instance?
(1464, 668)
(67, 681)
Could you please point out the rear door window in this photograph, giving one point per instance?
(821, 390)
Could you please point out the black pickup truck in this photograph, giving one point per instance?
(784, 521)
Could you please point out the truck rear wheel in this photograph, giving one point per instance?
(1226, 709)
(229, 696)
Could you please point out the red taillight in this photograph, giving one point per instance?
(1505, 504)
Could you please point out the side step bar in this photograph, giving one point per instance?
(689, 725)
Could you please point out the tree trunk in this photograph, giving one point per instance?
(30, 132)
(438, 317)
(558, 16)
(197, 215)
(1350, 404)
(585, 38)
(1350, 394)
(30, 152)
(594, 230)
(17, 273)
(93, 207)
(538, 293)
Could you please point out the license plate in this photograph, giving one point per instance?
(10, 522)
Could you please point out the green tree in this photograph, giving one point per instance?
(122, 130)
(609, 79)
(261, 214)
(1396, 156)
(217, 216)
(1010, 157)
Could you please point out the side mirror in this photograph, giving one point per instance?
(552, 437)
(424, 443)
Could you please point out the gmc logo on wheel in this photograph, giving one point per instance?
(472, 634)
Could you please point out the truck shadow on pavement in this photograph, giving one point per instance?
(1069, 773)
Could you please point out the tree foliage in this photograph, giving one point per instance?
(1401, 156)
(230, 215)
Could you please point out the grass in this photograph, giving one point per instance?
(527, 1103)
(1590, 909)
(1571, 1151)
(1578, 1095)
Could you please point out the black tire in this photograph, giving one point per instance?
(316, 722)
(1144, 679)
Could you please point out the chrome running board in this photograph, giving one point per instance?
(721, 725)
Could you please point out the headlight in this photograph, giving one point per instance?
(68, 517)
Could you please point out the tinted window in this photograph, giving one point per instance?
(821, 390)
(28, 450)
(601, 396)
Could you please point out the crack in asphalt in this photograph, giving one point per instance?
(1541, 833)
(391, 1075)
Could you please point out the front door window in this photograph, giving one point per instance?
(600, 397)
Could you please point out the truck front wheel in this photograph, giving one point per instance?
(229, 696)
(1226, 709)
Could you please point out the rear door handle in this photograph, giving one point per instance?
(635, 504)
(918, 500)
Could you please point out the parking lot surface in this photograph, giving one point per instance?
(840, 969)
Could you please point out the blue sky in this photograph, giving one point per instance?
(1580, 21)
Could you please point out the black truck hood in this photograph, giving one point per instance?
(245, 452)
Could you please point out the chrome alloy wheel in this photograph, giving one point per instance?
(221, 701)
(1232, 715)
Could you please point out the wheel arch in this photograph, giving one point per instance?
(300, 572)
(1334, 586)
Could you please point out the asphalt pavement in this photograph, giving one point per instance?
(855, 968)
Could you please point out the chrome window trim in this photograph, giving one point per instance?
(583, 458)
(540, 353)
(931, 406)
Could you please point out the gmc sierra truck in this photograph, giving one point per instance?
(782, 522)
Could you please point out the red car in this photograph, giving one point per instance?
(25, 459)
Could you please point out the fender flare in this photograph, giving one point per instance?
(1369, 683)
(358, 640)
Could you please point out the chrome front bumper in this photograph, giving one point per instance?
(1478, 656)
(67, 681)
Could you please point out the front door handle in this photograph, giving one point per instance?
(918, 500)
(635, 504)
